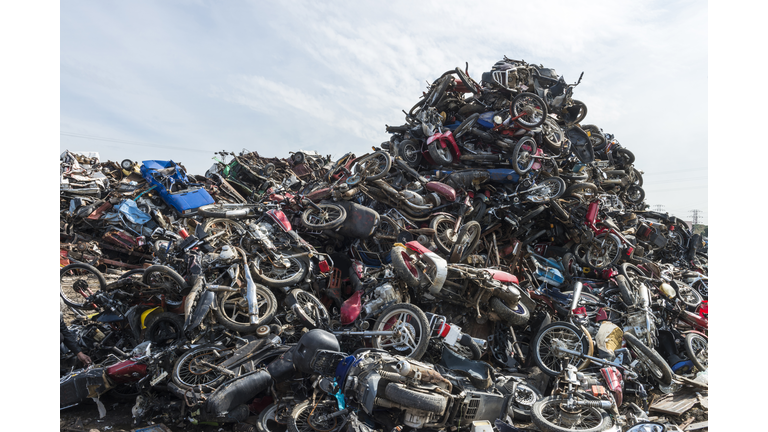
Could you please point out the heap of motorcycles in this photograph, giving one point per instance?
(492, 266)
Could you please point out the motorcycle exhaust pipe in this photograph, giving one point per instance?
(250, 295)
(577, 287)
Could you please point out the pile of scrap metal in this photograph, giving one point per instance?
(492, 266)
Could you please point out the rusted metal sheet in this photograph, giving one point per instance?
(674, 404)
(697, 426)
(99, 211)
(120, 238)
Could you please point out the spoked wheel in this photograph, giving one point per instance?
(329, 216)
(549, 188)
(635, 194)
(604, 251)
(271, 420)
(522, 155)
(232, 231)
(532, 108)
(556, 335)
(309, 309)
(410, 151)
(193, 368)
(232, 309)
(78, 281)
(308, 417)
(279, 274)
(524, 398)
(553, 414)
(466, 241)
(553, 135)
(160, 277)
(697, 348)
(445, 235)
(375, 166)
(651, 360)
(466, 125)
(688, 295)
(409, 327)
(585, 192)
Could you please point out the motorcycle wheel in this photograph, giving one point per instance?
(404, 268)
(410, 152)
(189, 373)
(466, 125)
(582, 112)
(543, 354)
(269, 420)
(441, 156)
(514, 317)
(638, 178)
(232, 309)
(554, 187)
(383, 238)
(553, 135)
(688, 295)
(627, 294)
(549, 415)
(624, 156)
(585, 192)
(232, 229)
(330, 216)
(77, 278)
(635, 194)
(164, 329)
(275, 276)
(166, 279)
(466, 348)
(305, 417)
(604, 251)
(416, 398)
(522, 159)
(445, 236)
(651, 359)
(374, 166)
(697, 348)
(524, 397)
(532, 107)
(466, 242)
(595, 137)
(309, 309)
(414, 328)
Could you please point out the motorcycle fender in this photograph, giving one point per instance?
(204, 304)
(442, 189)
(441, 271)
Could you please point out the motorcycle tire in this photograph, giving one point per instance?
(305, 417)
(466, 125)
(233, 231)
(444, 234)
(377, 164)
(553, 135)
(688, 295)
(624, 157)
(524, 397)
(268, 420)
(309, 309)
(78, 277)
(697, 348)
(466, 242)
(595, 137)
(548, 415)
(466, 348)
(627, 294)
(554, 188)
(166, 278)
(573, 337)
(634, 194)
(276, 277)
(189, 374)
(638, 177)
(404, 268)
(383, 237)
(414, 322)
(164, 329)
(522, 160)
(410, 152)
(514, 317)
(441, 156)
(330, 216)
(416, 398)
(232, 310)
(604, 252)
(574, 113)
(528, 101)
(655, 364)
(585, 192)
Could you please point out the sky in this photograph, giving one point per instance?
(183, 79)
